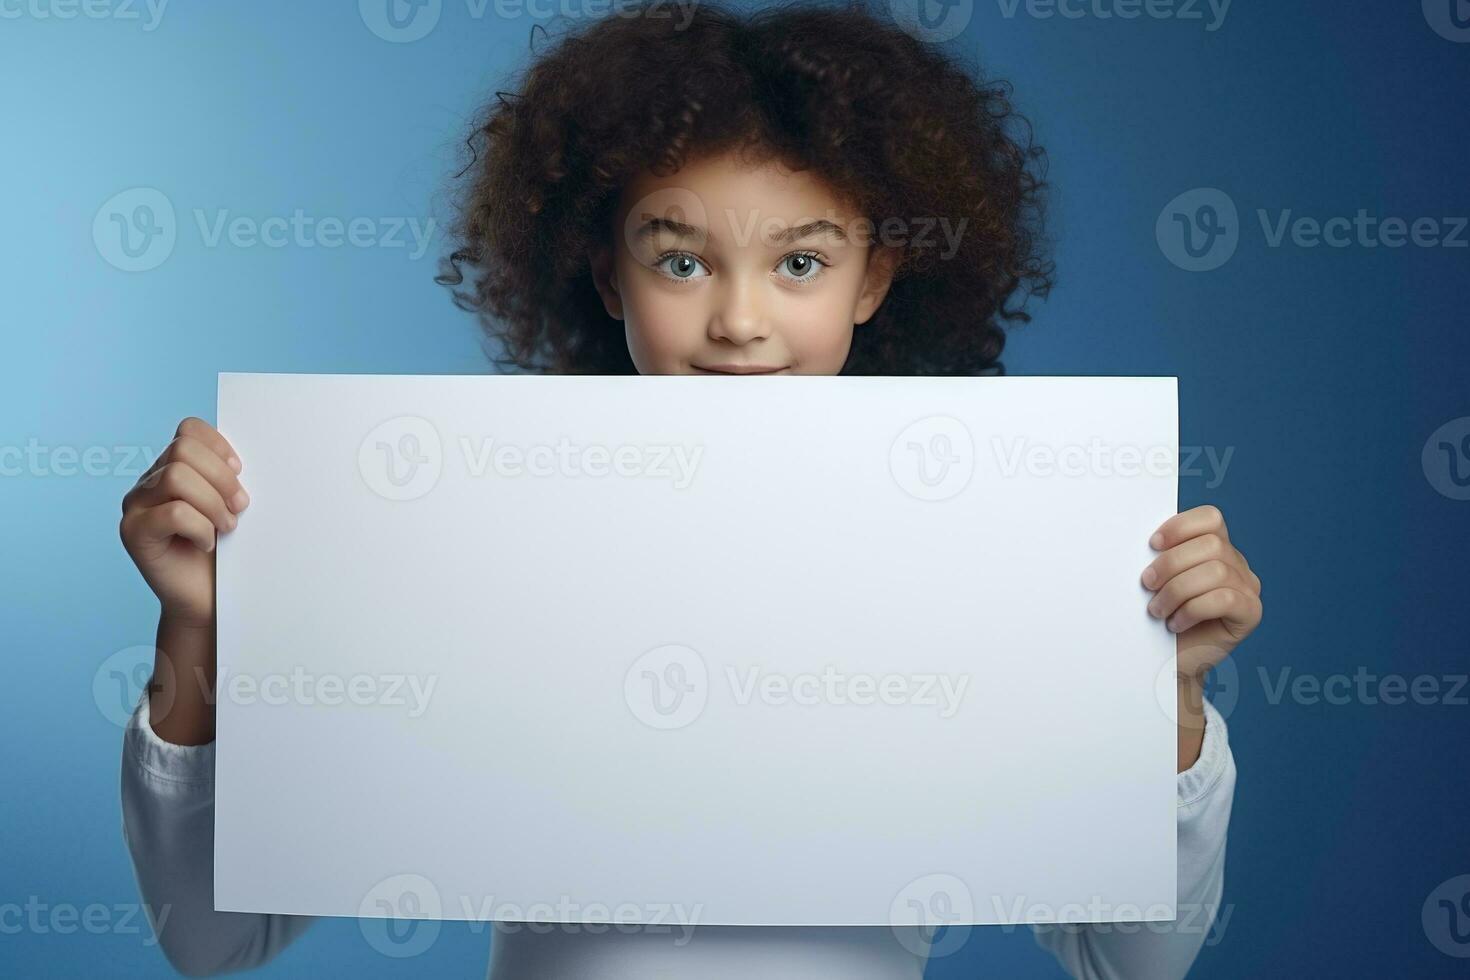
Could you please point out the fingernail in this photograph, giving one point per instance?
(1173, 625)
(1153, 609)
(235, 463)
(233, 521)
(1150, 577)
(240, 500)
(1157, 541)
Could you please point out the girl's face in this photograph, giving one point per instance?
(733, 268)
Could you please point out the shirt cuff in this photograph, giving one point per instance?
(176, 763)
(1214, 758)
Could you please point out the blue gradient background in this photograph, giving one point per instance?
(1325, 369)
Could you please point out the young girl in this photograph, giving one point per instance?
(801, 191)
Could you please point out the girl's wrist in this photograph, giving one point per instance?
(177, 621)
(181, 692)
(1191, 720)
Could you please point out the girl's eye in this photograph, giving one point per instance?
(802, 266)
(679, 265)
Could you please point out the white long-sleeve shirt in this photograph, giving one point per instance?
(168, 823)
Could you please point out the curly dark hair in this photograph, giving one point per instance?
(889, 122)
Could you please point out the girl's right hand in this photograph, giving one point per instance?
(171, 516)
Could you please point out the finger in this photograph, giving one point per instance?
(1190, 524)
(1237, 611)
(152, 526)
(1255, 579)
(180, 481)
(188, 449)
(1245, 566)
(1196, 581)
(197, 428)
(1181, 557)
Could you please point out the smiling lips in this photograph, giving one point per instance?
(737, 369)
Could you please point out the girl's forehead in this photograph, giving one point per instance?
(721, 182)
(721, 195)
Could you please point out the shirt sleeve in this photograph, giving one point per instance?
(1160, 950)
(168, 824)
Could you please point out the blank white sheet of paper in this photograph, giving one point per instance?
(746, 651)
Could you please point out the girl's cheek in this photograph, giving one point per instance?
(817, 328)
(656, 318)
(662, 332)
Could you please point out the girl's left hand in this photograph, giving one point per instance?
(1203, 587)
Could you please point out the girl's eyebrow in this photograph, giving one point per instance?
(654, 225)
(819, 227)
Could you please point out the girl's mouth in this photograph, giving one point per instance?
(737, 369)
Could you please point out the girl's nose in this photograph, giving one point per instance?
(739, 317)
